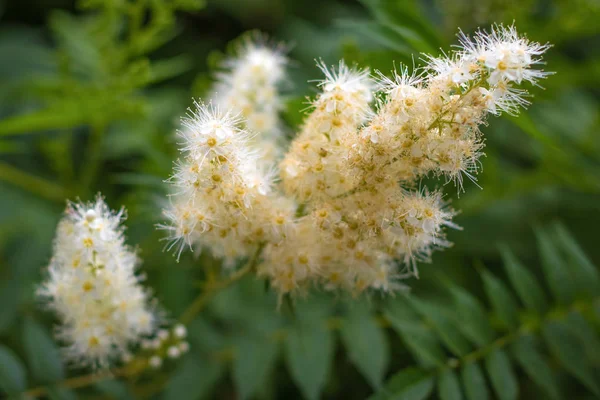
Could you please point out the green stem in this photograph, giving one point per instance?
(31, 183)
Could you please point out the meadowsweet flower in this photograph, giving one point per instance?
(345, 215)
(249, 86)
(93, 286)
(223, 198)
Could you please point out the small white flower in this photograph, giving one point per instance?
(155, 362)
(173, 352)
(180, 331)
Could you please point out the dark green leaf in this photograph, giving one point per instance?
(193, 379)
(408, 384)
(114, 389)
(366, 344)
(448, 386)
(444, 327)
(420, 339)
(567, 349)
(556, 271)
(528, 357)
(526, 286)
(584, 272)
(60, 393)
(474, 382)
(580, 328)
(254, 360)
(309, 352)
(42, 354)
(12, 371)
(502, 300)
(501, 374)
(472, 317)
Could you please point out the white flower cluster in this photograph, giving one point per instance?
(168, 344)
(352, 169)
(223, 198)
(93, 288)
(249, 86)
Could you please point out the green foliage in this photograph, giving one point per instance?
(89, 98)
(567, 327)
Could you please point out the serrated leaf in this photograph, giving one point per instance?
(526, 286)
(449, 386)
(472, 317)
(567, 349)
(501, 375)
(366, 344)
(309, 355)
(443, 325)
(408, 384)
(254, 360)
(502, 300)
(474, 382)
(12, 372)
(584, 272)
(530, 360)
(193, 379)
(556, 272)
(42, 354)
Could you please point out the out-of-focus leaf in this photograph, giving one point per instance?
(472, 318)
(366, 344)
(530, 293)
(60, 393)
(60, 117)
(9, 298)
(43, 356)
(501, 375)
(502, 300)
(444, 326)
(587, 336)
(12, 372)
(584, 272)
(114, 388)
(555, 270)
(474, 382)
(528, 357)
(254, 360)
(193, 379)
(309, 354)
(420, 339)
(408, 384)
(566, 348)
(449, 386)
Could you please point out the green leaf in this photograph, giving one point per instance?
(528, 357)
(366, 344)
(443, 325)
(567, 349)
(474, 382)
(530, 293)
(419, 339)
(502, 300)
(12, 372)
(580, 328)
(408, 384)
(9, 298)
(472, 317)
(42, 354)
(448, 386)
(555, 270)
(502, 376)
(584, 272)
(254, 359)
(193, 379)
(309, 351)
(60, 393)
(114, 389)
(61, 116)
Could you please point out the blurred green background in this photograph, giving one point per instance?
(90, 96)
